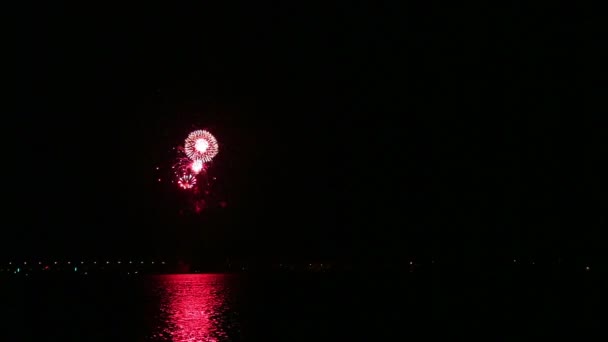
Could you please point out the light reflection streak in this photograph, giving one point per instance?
(194, 307)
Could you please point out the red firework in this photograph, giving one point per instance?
(186, 181)
(197, 166)
(201, 145)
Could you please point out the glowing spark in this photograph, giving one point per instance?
(197, 166)
(201, 145)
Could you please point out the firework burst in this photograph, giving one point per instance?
(191, 168)
(197, 166)
(186, 181)
(201, 145)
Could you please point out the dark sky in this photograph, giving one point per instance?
(353, 130)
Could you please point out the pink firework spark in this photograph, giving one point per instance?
(197, 166)
(186, 181)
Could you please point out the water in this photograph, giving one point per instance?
(380, 306)
(196, 307)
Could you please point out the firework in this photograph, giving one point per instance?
(191, 167)
(197, 166)
(186, 181)
(201, 145)
(182, 165)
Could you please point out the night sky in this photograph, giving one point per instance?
(364, 131)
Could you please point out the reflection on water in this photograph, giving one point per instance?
(194, 307)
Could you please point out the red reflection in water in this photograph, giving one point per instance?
(193, 308)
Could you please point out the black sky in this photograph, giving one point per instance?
(352, 130)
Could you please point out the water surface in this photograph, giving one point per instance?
(194, 307)
(200, 307)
